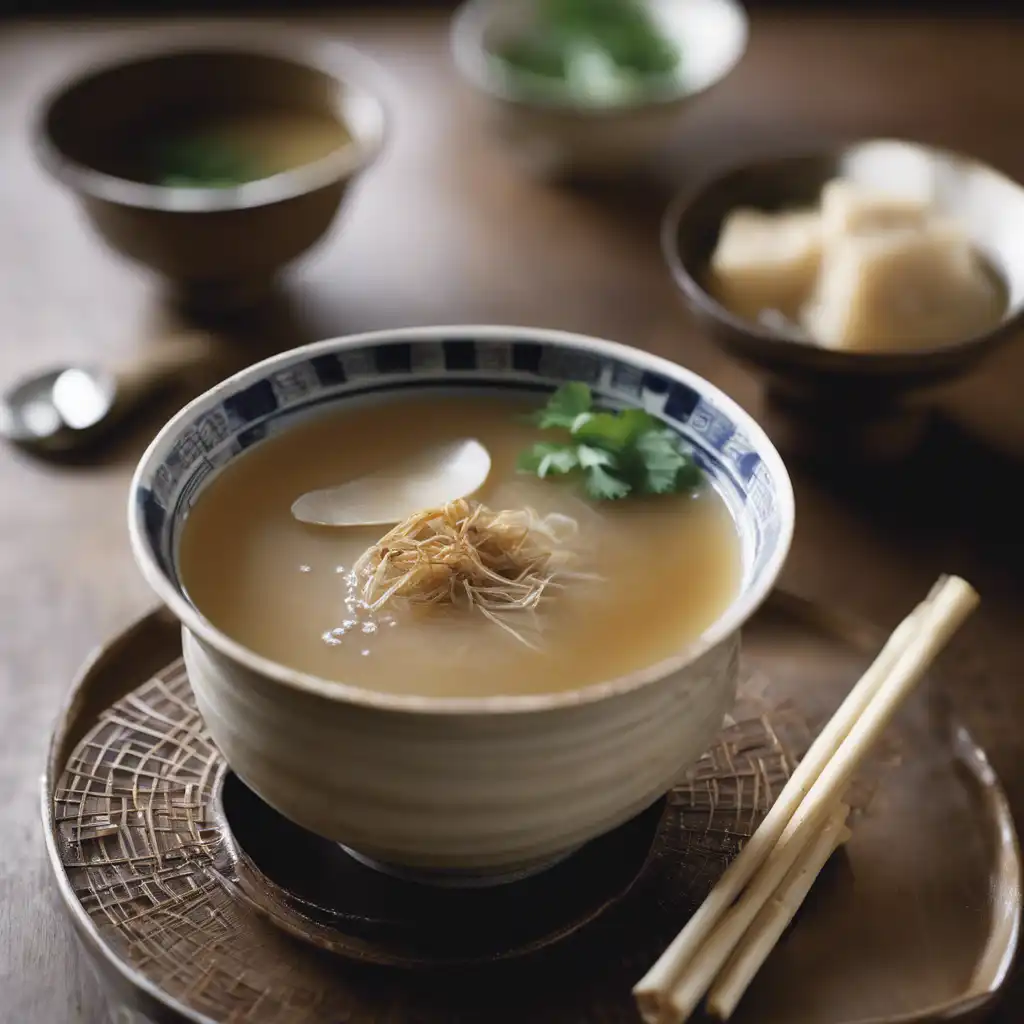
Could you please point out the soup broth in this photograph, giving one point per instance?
(226, 149)
(659, 571)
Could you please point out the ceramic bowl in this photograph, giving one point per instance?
(224, 245)
(848, 388)
(565, 137)
(424, 784)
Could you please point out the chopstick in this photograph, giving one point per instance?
(671, 990)
(774, 916)
(648, 991)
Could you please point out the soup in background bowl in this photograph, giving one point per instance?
(440, 740)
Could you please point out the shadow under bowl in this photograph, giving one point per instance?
(315, 890)
(835, 391)
(220, 246)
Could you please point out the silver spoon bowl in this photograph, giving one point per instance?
(68, 408)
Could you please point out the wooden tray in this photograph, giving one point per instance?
(916, 920)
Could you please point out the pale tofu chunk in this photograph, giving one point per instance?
(766, 261)
(848, 208)
(901, 289)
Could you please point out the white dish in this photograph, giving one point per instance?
(567, 137)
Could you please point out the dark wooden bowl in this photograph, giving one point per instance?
(219, 245)
(849, 396)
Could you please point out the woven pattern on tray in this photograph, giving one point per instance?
(140, 843)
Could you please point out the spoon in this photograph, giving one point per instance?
(428, 479)
(67, 408)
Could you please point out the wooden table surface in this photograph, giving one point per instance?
(444, 230)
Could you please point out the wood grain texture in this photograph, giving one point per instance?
(444, 230)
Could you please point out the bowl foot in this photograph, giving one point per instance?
(230, 296)
(833, 429)
(458, 879)
(343, 902)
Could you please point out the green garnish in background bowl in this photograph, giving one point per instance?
(198, 161)
(617, 454)
(596, 50)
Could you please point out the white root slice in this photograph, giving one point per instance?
(428, 479)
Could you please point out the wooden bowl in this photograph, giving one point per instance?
(849, 401)
(219, 245)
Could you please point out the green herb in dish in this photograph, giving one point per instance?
(617, 454)
(597, 49)
(201, 162)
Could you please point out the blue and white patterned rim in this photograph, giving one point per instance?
(266, 398)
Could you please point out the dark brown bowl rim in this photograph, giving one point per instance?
(348, 68)
(785, 347)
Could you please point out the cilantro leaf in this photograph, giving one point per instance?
(613, 431)
(689, 477)
(591, 458)
(546, 459)
(661, 460)
(569, 402)
(602, 486)
(602, 479)
(616, 453)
